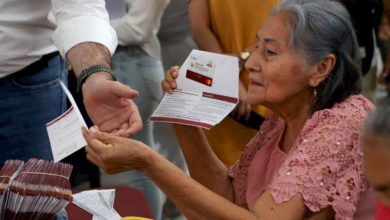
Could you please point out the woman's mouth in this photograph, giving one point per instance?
(255, 82)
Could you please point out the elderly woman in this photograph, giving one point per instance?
(376, 141)
(306, 160)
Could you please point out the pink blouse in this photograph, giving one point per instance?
(324, 164)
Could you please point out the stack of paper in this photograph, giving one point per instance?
(8, 173)
(40, 190)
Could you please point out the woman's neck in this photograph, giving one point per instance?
(292, 130)
(295, 119)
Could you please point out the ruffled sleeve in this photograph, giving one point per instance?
(325, 163)
(238, 172)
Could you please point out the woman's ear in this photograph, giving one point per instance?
(322, 70)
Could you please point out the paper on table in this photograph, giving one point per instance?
(64, 132)
(108, 196)
(207, 91)
(99, 203)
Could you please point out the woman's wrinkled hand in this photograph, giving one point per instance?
(169, 83)
(115, 154)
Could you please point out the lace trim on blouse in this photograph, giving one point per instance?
(324, 164)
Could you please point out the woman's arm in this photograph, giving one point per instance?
(204, 166)
(201, 28)
(198, 202)
(115, 154)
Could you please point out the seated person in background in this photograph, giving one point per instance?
(306, 160)
(376, 141)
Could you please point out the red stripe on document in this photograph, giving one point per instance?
(60, 117)
(181, 121)
(220, 97)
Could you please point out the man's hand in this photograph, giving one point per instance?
(109, 105)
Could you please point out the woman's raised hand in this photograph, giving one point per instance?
(169, 83)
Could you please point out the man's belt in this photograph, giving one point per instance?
(34, 67)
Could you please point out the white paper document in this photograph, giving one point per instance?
(207, 91)
(100, 203)
(64, 132)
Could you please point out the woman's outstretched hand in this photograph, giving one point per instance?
(114, 154)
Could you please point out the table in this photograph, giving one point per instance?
(128, 202)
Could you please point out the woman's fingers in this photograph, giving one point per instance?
(169, 83)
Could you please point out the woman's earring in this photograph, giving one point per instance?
(315, 93)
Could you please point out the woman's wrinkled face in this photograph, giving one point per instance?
(276, 75)
(376, 156)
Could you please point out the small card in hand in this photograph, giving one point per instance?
(201, 70)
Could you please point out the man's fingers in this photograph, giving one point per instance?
(133, 126)
(135, 121)
(102, 138)
(129, 120)
(130, 131)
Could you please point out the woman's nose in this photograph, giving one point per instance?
(252, 63)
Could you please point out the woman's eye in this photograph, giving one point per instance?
(270, 53)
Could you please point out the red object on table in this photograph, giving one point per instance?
(128, 202)
(382, 211)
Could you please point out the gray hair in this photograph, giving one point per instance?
(320, 28)
(378, 122)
